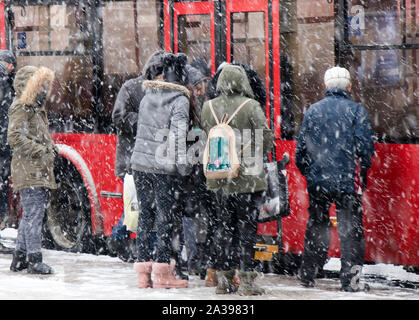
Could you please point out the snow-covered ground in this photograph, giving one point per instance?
(90, 277)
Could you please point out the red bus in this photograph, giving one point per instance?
(94, 46)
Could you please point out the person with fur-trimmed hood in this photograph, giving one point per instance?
(32, 163)
(124, 118)
(158, 159)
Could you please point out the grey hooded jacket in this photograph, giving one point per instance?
(163, 117)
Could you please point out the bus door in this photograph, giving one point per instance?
(194, 30)
(252, 38)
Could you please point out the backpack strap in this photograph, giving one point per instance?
(213, 113)
(237, 110)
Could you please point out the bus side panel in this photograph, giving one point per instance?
(391, 206)
(293, 226)
(98, 151)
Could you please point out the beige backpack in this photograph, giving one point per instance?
(221, 160)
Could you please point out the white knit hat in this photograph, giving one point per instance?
(337, 77)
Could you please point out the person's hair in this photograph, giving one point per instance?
(337, 77)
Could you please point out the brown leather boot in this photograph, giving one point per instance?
(211, 279)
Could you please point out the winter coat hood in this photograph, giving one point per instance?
(167, 86)
(28, 83)
(154, 65)
(233, 80)
(8, 56)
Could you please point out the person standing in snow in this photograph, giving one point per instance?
(238, 198)
(334, 152)
(199, 207)
(7, 66)
(157, 161)
(124, 117)
(32, 163)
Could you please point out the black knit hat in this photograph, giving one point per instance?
(8, 56)
(154, 65)
(174, 68)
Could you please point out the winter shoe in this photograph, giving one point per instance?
(211, 280)
(164, 277)
(225, 283)
(5, 250)
(305, 282)
(359, 288)
(177, 270)
(143, 270)
(248, 287)
(19, 262)
(36, 266)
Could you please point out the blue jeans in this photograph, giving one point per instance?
(34, 201)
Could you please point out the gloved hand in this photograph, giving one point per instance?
(364, 178)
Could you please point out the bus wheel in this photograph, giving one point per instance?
(67, 224)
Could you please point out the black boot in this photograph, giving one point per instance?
(36, 266)
(19, 262)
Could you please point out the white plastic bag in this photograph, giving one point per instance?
(131, 207)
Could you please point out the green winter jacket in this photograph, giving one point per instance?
(234, 88)
(28, 132)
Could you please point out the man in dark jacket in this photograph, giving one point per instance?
(7, 66)
(124, 117)
(334, 151)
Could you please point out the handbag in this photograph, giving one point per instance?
(131, 207)
(275, 202)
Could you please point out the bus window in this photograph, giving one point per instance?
(59, 37)
(307, 51)
(130, 35)
(385, 73)
(248, 40)
(194, 36)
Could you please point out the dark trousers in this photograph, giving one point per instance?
(317, 237)
(237, 215)
(157, 202)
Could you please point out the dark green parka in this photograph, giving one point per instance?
(28, 132)
(234, 88)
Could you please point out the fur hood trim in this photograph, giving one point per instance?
(156, 84)
(28, 84)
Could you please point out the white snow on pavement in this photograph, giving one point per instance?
(90, 277)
